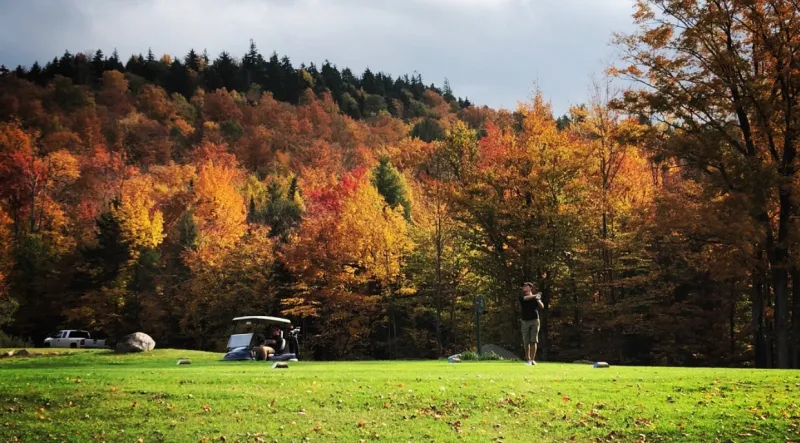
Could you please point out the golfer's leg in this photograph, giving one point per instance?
(535, 338)
(526, 342)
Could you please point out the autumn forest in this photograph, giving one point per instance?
(658, 218)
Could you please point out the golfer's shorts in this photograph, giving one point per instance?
(530, 332)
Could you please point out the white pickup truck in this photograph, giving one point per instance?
(73, 339)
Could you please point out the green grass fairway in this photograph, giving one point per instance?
(96, 395)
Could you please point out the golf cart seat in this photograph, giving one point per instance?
(248, 335)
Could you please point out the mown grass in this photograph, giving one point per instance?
(96, 395)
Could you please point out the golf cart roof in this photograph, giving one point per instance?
(264, 319)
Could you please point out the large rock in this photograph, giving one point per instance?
(136, 342)
(505, 353)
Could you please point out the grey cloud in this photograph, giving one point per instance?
(491, 50)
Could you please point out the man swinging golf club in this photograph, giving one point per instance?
(531, 304)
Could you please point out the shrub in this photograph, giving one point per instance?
(7, 341)
(474, 356)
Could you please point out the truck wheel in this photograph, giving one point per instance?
(47, 345)
(73, 345)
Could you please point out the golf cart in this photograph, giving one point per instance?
(252, 334)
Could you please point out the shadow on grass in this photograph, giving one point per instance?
(105, 358)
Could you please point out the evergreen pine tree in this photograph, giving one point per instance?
(113, 63)
(98, 66)
(192, 61)
(66, 65)
(447, 92)
(391, 185)
(368, 82)
(35, 74)
(275, 77)
(178, 80)
(253, 67)
(332, 78)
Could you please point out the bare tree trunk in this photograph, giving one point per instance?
(453, 331)
(780, 281)
(438, 242)
(544, 342)
(732, 319)
(33, 207)
(796, 318)
(757, 319)
(439, 344)
(769, 326)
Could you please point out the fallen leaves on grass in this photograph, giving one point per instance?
(456, 425)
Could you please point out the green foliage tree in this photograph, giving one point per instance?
(392, 186)
(428, 130)
(374, 105)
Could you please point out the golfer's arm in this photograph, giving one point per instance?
(529, 297)
(541, 305)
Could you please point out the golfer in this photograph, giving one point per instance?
(531, 304)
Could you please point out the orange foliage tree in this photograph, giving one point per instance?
(348, 251)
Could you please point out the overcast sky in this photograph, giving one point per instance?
(492, 51)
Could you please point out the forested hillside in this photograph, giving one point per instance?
(169, 195)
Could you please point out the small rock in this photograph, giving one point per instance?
(601, 364)
(184, 362)
(280, 365)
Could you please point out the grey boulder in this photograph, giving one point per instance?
(136, 342)
(502, 352)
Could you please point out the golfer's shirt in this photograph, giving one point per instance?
(530, 308)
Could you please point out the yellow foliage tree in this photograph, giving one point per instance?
(141, 223)
(219, 209)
